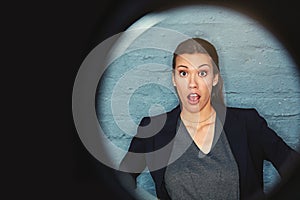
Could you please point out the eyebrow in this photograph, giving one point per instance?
(196, 67)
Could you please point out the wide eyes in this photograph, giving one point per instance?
(201, 73)
(183, 73)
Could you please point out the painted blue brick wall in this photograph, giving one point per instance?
(257, 70)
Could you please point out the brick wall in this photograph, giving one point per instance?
(257, 70)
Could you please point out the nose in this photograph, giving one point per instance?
(192, 82)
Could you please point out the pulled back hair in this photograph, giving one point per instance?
(199, 45)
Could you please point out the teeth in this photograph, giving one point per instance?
(193, 95)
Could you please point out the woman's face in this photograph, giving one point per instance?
(194, 78)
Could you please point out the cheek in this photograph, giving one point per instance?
(205, 84)
(180, 89)
(180, 82)
(181, 86)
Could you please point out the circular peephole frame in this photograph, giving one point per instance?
(239, 8)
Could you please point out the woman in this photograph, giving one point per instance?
(203, 149)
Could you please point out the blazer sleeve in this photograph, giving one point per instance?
(273, 147)
(134, 162)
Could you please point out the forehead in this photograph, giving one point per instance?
(195, 59)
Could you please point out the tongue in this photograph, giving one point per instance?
(193, 98)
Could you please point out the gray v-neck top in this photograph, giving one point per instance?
(195, 175)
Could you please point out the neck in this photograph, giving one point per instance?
(198, 117)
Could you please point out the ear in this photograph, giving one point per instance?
(216, 79)
(173, 79)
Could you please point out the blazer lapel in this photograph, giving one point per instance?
(235, 131)
(162, 146)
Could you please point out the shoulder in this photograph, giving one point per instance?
(247, 116)
(154, 132)
(242, 112)
(169, 115)
(159, 124)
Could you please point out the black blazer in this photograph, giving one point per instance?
(250, 139)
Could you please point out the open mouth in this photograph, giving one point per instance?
(193, 98)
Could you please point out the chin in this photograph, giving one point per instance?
(193, 108)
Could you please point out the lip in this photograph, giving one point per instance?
(193, 101)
